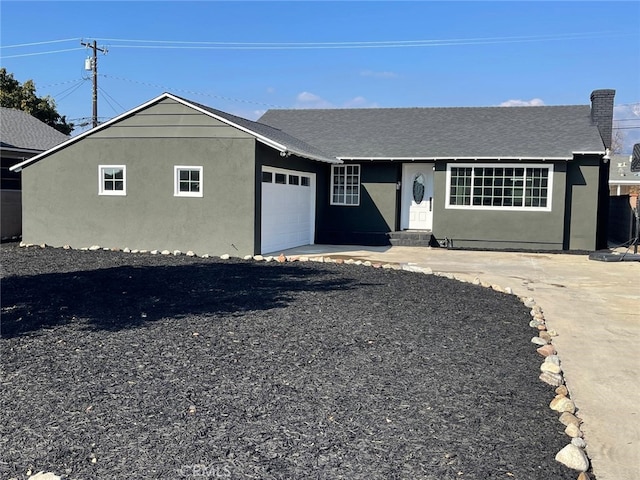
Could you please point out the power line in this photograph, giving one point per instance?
(178, 44)
(166, 89)
(40, 43)
(41, 53)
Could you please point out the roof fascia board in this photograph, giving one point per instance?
(601, 152)
(624, 182)
(415, 159)
(18, 167)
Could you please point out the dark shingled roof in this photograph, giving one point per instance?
(18, 129)
(466, 132)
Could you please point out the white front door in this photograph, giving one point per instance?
(417, 196)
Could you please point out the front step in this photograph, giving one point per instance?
(412, 238)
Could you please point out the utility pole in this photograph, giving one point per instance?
(94, 70)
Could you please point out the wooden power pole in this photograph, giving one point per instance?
(94, 70)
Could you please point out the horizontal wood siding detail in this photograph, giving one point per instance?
(169, 119)
(170, 131)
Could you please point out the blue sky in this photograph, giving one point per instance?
(246, 57)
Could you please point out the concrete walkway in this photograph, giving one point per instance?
(595, 308)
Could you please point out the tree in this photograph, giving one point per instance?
(23, 97)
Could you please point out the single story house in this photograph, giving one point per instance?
(175, 174)
(22, 136)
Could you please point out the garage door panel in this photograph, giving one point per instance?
(288, 215)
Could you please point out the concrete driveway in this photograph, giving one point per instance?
(595, 308)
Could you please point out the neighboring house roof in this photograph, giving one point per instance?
(620, 171)
(271, 136)
(19, 130)
(464, 132)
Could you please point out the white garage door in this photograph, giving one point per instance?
(288, 209)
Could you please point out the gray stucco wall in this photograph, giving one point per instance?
(61, 203)
(499, 229)
(368, 223)
(583, 178)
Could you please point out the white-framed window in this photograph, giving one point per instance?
(499, 186)
(345, 185)
(112, 180)
(285, 177)
(187, 181)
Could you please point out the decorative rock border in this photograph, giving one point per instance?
(572, 455)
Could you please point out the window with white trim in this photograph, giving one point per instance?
(112, 180)
(345, 185)
(187, 181)
(502, 187)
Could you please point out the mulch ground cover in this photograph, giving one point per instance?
(135, 366)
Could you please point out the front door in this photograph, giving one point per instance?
(417, 196)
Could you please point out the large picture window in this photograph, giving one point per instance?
(187, 181)
(506, 187)
(112, 180)
(345, 185)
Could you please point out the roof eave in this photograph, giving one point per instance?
(454, 158)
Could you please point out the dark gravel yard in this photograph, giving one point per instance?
(135, 366)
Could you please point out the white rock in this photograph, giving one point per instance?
(573, 457)
(165, 252)
(539, 341)
(562, 404)
(258, 258)
(367, 263)
(206, 255)
(177, 252)
(126, 250)
(508, 290)
(93, 248)
(225, 256)
(45, 476)
(141, 251)
(553, 379)
(154, 252)
(550, 367)
(190, 253)
(578, 442)
(476, 281)
(268, 259)
(303, 259)
(246, 257)
(573, 431)
(135, 251)
(387, 266)
(555, 359)
(66, 247)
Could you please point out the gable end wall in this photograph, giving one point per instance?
(62, 206)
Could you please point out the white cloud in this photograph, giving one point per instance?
(534, 102)
(311, 100)
(371, 73)
(359, 102)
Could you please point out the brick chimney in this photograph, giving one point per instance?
(602, 113)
